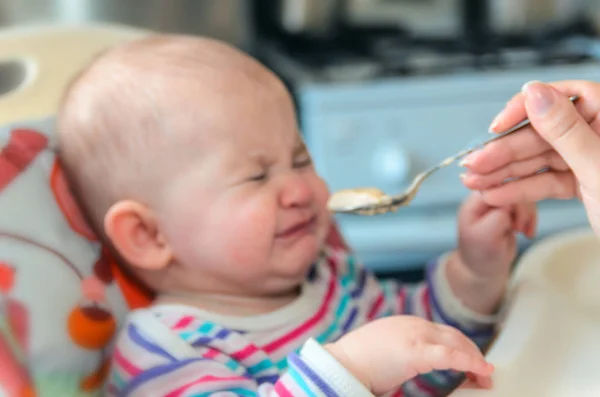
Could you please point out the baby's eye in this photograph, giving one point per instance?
(303, 161)
(259, 177)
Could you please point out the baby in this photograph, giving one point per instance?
(187, 158)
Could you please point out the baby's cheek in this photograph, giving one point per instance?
(187, 242)
(251, 229)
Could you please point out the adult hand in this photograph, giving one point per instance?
(564, 138)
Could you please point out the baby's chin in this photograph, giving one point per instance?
(310, 251)
(299, 259)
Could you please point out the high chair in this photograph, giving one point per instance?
(549, 342)
(51, 56)
(54, 273)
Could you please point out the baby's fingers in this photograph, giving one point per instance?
(525, 218)
(442, 357)
(478, 381)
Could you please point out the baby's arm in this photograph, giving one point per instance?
(151, 360)
(434, 300)
(191, 357)
(431, 299)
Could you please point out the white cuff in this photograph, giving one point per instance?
(332, 372)
(451, 305)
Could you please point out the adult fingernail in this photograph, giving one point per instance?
(495, 122)
(526, 86)
(538, 96)
(467, 161)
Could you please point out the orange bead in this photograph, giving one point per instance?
(28, 391)
(91, 327)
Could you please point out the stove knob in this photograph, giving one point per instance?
(391, 165)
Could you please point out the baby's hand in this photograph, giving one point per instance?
(487, 235)
(479, 270)
(387, 352)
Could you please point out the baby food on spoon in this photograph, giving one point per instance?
(349, 198)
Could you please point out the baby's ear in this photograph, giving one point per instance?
(133, 231)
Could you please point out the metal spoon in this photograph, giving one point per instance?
(371, 201)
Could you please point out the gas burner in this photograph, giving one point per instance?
(368, 55)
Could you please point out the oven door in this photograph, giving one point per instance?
(382, 133)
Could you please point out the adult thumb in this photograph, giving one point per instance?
(557, 120)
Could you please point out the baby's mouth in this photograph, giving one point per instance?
(299, 228)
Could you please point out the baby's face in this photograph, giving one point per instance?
(251, 212)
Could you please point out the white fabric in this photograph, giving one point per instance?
(338, 377)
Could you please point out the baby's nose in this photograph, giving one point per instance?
(296, 192)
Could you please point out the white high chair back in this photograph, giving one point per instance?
(62, 290)
(42, 60)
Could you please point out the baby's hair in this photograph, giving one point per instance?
(121, 117)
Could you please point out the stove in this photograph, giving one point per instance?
(367, 53)
(378, 106)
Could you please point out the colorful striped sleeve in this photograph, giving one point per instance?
(156, 362)
(431, 299)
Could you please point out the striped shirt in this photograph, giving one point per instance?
(178, 350)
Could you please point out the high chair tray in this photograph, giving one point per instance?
(549, 342)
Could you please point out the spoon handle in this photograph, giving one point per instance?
(420, 178)
(517, 127)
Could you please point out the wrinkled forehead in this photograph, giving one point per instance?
(238, 110)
